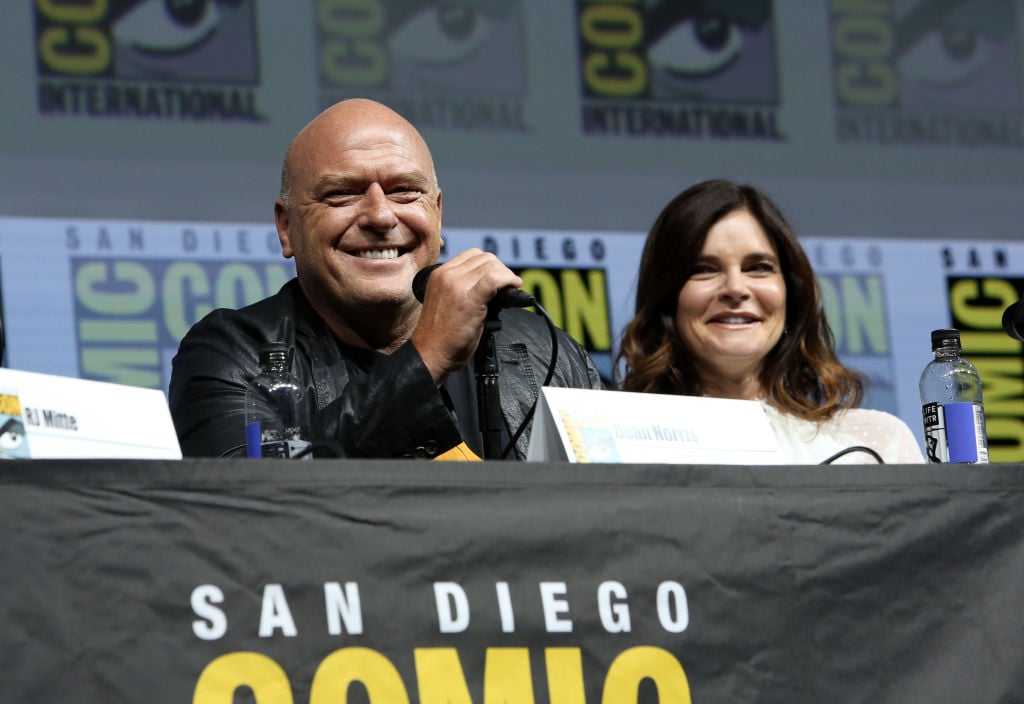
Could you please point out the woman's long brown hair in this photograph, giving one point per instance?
(800, 375)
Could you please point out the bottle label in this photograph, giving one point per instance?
(284, 449)
(261, 442)
(955, 432)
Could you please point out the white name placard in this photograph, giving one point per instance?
(56, 417)
(584, 425)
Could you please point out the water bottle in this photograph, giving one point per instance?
(951, 404)
(276, 409)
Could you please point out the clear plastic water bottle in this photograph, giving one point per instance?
(276, 407)
(951, 403)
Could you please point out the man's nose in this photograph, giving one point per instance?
(375, 212)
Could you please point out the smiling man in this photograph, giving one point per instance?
(387, 376)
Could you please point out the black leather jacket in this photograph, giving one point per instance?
(393, 409)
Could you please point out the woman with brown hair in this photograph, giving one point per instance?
(727, 305)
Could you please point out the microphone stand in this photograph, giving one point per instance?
(485, 362)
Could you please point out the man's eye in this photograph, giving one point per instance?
(405, 192)
(337, 197)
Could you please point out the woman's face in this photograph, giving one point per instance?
(732, 309)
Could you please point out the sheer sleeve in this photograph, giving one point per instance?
(805, 442)
(883, 432)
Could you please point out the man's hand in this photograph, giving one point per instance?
(454, 308)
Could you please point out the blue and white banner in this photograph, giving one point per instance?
(110, 299)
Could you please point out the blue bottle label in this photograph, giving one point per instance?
(253, 440)
(965, 432)
(955, 432)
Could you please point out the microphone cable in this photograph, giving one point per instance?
(852, 449)
(233, 451)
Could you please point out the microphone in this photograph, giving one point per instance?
(1013, 320)
(508, 297)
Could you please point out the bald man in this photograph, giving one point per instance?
(360, 212)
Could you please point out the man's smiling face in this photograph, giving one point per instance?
(363, 213)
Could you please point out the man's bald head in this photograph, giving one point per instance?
(351, 115)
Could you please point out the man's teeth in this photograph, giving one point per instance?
(389, 253)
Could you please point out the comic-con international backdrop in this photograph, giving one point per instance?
(142, 141)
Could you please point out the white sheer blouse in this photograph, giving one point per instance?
(806, 442)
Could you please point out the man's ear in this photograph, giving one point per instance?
(439, 216)
(282, 222)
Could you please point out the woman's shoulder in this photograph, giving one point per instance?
(870, 417)
(872, 414)
(882, 430)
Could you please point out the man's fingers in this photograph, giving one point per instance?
(454, 308)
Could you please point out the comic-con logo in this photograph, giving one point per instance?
(130, 314)
(930, 72)
(976, 306)
(856, 307)
(450, 64)
(705, 68)
(170, 59)
(577, 302)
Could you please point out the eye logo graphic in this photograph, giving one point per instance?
(147, 58)
(927, 71)
(678, 67)
(444, 63)
(964, 57)
(162, 40)
(13, 440)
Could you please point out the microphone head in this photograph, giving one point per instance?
(419, 282)
(507, 297)
(1013, 321)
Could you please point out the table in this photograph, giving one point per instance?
(470, 582)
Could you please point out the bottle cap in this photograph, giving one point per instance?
(945, 338)
(273, 349)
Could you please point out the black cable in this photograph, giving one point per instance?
(232, 450)
(547, 380)
(855, 448)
